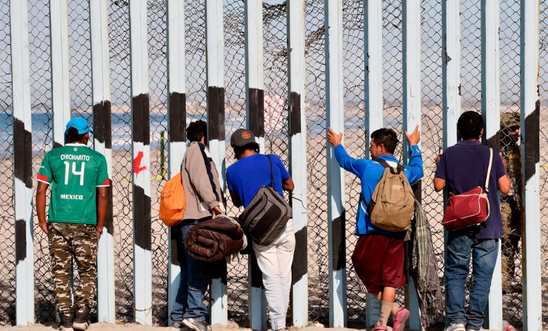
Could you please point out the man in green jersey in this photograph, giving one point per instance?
(79, 199)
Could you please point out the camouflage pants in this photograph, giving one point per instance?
(78, 241)
(511, 235)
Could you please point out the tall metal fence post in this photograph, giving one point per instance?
(60, 85)
(451, 68)
(335, 174)
(60, 78)
(530, 120)
(102, 133)
(254, 73)
(412, 112)
(490, 107)
(140, 121)
(22, 154)
(374, 102)
(216, 129)
(297, 156)
(177, 125)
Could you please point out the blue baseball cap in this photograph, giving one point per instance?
(79, 124)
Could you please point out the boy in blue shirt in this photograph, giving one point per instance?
(379, 256)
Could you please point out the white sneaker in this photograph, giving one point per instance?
(197, 324)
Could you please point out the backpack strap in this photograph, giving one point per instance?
(393, 170)
(272, 183)
(207, 162)
(489, 169)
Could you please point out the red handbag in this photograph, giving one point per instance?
(468, 208)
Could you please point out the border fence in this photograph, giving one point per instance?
(287, 70)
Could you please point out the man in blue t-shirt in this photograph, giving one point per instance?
(244, 179)
(461, 168)
(378, 256)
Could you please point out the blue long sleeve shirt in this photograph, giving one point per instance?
(370, 172)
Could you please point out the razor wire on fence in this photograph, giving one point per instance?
(276, 128)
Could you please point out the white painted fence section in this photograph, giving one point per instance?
(451, 69)
(176, 147)
(142, 258)
(254, 76)
(530, 114)
(215, 96)
(374, 103)
(60, 85)
(490, 87)
(412, 103)
(298, 156)
(335, 174)
(100, 78)
(24, 259)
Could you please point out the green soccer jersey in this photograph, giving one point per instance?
(74, 172)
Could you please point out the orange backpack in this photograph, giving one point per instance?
(173, 201)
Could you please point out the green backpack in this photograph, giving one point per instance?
(392, 204)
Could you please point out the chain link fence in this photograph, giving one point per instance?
(276, 128)
(318, 262)
(510, 103)
(543, 90)
(121, 177)
(42, 142)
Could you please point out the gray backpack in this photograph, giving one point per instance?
(266, 215)
(392, 204)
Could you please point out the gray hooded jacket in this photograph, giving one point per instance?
(201, 182)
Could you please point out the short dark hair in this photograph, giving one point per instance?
(470, 125)
(387, 137)
(238, 150)
(196, 130)
(72, 135)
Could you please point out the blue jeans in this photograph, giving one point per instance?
(195, 276)
(484, 256)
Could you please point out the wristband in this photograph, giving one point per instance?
(100, 232)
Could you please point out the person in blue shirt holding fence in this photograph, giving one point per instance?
(379, 255)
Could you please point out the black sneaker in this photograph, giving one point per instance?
(196, 324)
(66, 321)
(81, 320)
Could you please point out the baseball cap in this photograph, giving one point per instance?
(242, 137)
(79, 124)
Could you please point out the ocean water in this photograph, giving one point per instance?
(121, 128)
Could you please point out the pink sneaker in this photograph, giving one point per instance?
(399, 319)
(380, 328)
